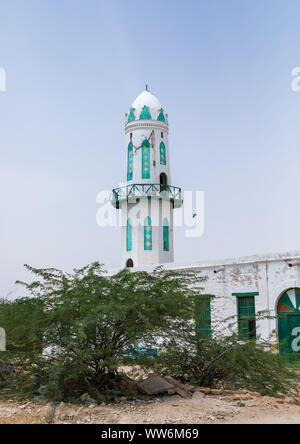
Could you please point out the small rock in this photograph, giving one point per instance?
(228, 392)
(171, 391)
(240, 404)
(23, 406)
(221, 413)
(216, 392)
(198, 395)
(154, 385)
(184, 390)
(205, 390)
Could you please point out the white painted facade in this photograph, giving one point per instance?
(157, 210)
(268, 275)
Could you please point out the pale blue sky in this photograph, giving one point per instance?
(221, 68)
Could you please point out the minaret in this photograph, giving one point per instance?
(147, 199)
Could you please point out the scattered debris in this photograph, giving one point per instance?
(155, 385)
(240, 404)
(158, 409)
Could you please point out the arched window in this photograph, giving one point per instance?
(147, 234)
(130, 162)
(166, 231)
(129, 263)
(163, 181)
(146, 159)
(129, 235)
(162, 149)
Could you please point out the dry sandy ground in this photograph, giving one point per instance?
(237, 408)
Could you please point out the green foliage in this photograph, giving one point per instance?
(23, 321)
(74, 333)
(225, 361)
(88, 324)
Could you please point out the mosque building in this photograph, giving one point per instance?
(242, 287)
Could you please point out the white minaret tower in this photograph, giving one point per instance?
(147, 199)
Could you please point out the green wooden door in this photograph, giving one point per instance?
(289, 324)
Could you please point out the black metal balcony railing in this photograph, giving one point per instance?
(153, 191)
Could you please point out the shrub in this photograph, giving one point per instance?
(225, 362)
(89, 324)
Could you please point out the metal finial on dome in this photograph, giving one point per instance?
(147, 88)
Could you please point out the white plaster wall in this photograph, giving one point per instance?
(270, 275)
(157, 210)
(141, 130)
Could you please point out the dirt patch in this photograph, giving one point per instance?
(202, 408)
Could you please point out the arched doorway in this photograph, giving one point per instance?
(163, 181)
(288, 312)
(129, 263)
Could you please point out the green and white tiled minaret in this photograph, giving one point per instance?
(147, 199)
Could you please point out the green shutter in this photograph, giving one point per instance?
(246, 316)
(130, 162)
(162, 149)
(146, 159)
(147, 234)
(166, 231)
(203, 317)
(129, 235)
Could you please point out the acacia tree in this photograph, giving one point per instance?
(75, 331)
(225, 359)
(93, 323)
(24, 322)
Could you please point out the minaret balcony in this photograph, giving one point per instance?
(131, 193)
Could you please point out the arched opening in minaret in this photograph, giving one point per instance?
(129, 263)
(163, 181)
